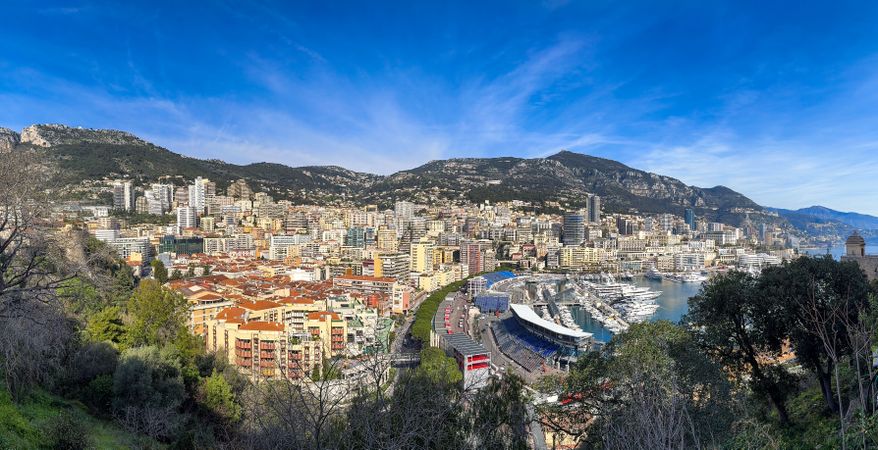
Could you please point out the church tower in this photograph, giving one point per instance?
(855, 246)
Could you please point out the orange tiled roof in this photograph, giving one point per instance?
(262, 326)
(321, 315)
(259, 305)
(232, 314)
(366, 278)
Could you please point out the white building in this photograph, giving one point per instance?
(187, 217)
(123, 195)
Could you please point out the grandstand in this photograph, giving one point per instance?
(494, 277)
(524, 348)
(572, 342)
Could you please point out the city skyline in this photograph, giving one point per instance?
(779, 113)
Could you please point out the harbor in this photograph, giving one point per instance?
(603, 306)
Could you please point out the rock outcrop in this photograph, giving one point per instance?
(8, 139)
(50, 135)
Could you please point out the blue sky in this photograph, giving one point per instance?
(778, 100)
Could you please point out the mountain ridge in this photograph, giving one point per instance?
(559, 181)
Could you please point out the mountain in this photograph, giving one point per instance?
(84, 154)
(829, 224)
(855, 220)
(566, 178)
(8, 139)
(559, 181)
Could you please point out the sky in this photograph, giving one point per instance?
(777, 100)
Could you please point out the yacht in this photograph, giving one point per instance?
(653, 274)
(687, 277)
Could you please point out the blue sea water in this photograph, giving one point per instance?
(838, 250)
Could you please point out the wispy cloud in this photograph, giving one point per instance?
(787, 131)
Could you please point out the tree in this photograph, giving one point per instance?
(217, 396)
(650, 386)
(176, 275)
(436, 366)
(818, 298)
(159, 272)
(107, 326)
(157, 315)
(147, 390)
(497, 417)
(739, 330)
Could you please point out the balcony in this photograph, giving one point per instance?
(267, 346)
(242, 344)
(266, 355)
(243, 362)
(243, 353)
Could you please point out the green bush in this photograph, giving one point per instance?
(68, 432)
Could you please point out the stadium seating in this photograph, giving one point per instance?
(524, 348)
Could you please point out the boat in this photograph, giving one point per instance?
(687, 277)
(653, 274)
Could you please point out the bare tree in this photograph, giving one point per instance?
(286, 412)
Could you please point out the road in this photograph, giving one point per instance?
(403, 342)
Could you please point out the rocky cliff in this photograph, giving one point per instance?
(8, 139)
(50, 135)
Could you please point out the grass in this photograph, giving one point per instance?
(24, 425)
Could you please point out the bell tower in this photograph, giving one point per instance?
(855, 246)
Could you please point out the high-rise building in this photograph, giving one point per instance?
(187, 217)
(239, 189)
(573, 230)
(355, 237)
(393, 265)
(181, 196)
(477, 255)
(201, 194)
(159, 198)
(123, 195)
(421, 255)
(666, 222)
(594, 209)
(404, 210)
(690, 218)
(624, 226)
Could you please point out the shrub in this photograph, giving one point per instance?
(68, 432)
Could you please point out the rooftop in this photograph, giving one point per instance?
(527, 314)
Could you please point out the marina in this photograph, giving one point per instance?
(603, 306)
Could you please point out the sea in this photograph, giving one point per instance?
(837, 250)
(673, 303)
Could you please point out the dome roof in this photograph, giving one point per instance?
(855, 239)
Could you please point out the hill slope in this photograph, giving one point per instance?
(562, 179)
(829, 224)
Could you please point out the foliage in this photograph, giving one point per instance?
(650, 386)
(107, 325)
(497, 414)
(68, 432)
(739, 329)
(219, 399)
(424, 317)
(159, 272)
(438, 367)
(29, 423)
(818, 298)
(147, 390)
(157, 315)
